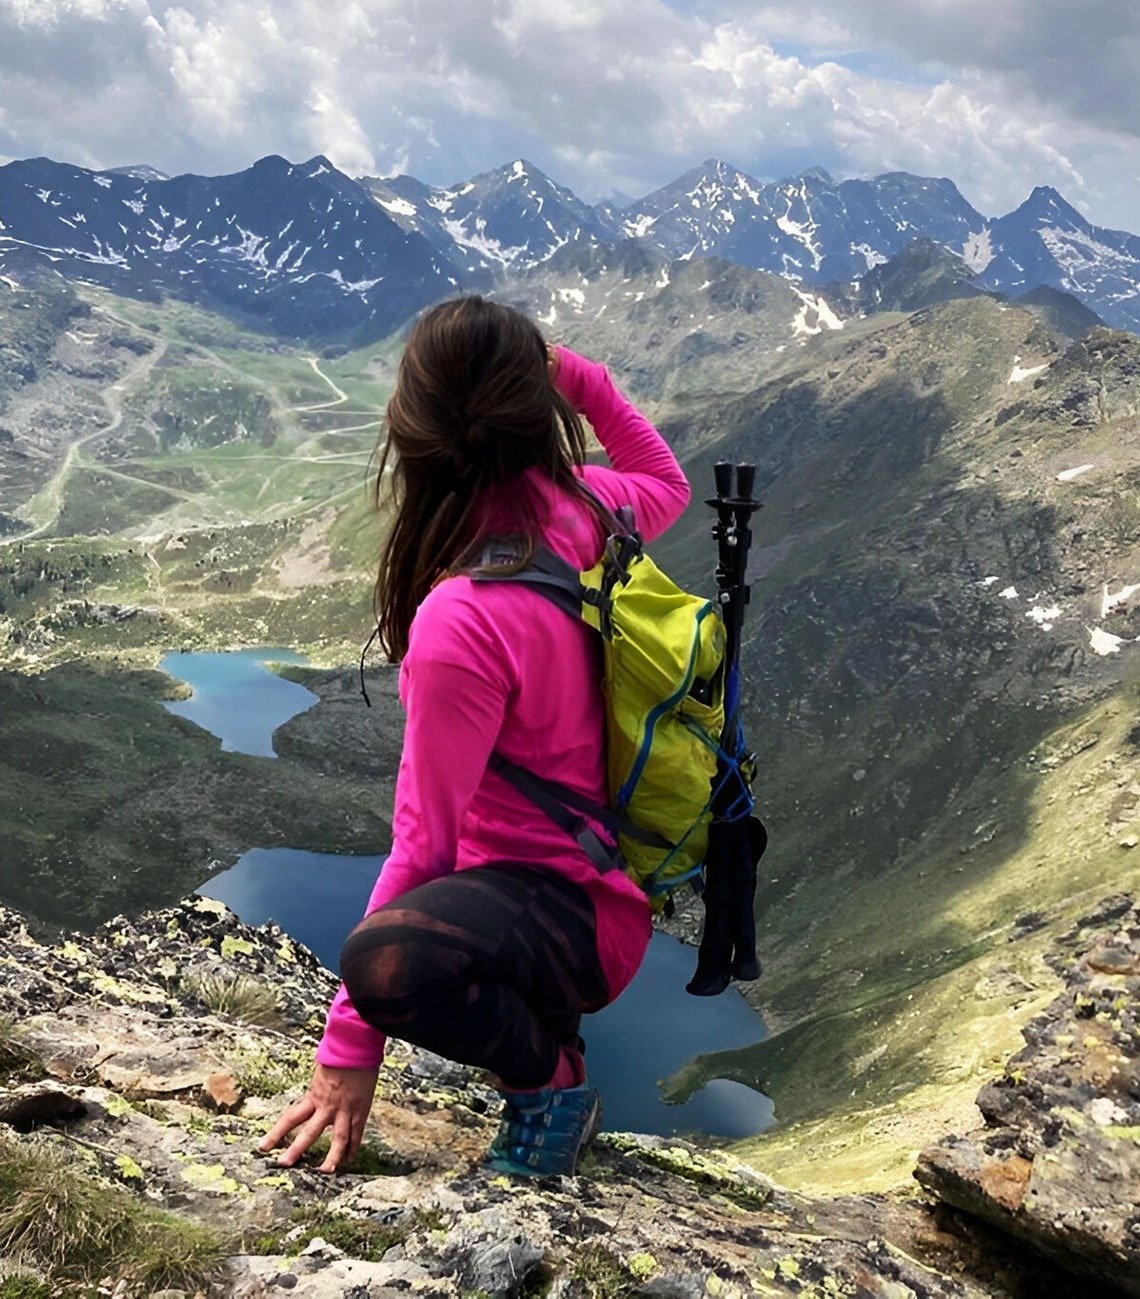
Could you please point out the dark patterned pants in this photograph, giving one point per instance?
(492, 966)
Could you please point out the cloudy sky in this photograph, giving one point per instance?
(604, 95)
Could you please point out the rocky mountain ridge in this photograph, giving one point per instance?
(301, 250)
(144, 1061)
(306, 250)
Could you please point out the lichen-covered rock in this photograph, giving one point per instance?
(191, 958)
(1058, 1162)
(162, 1070)
(489, 1253)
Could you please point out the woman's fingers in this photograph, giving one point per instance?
(297, 1113)
(358, 1124)
(308, 1133)
(340, 1151)
(337, 1098)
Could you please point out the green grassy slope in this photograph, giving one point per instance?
(946, 780)
(227, 472)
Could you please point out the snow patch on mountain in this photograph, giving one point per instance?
(353, 286)
(250, 248)
(479, 242)
(816, 309)
(1109, 602)
(398, 207)
(978, 251)
(1044, 618)
(1083, 258)
(1104, 642)
(870, 255)
(1067, 475)
(1019, 374)
(640, 226)
(104, 256)
(802, 232)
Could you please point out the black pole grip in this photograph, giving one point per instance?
(722, 473)
(745, 963)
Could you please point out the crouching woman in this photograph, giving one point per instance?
(489, 932)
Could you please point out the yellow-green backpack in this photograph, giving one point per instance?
(663, 681)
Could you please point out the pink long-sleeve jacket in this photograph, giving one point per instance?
(497, 667)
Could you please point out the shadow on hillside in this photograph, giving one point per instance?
(892, 694)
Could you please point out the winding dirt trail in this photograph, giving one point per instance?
(341, 395)
(48, 501)
(44, 508)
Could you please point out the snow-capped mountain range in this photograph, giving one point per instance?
(301, 250)
(307, 250)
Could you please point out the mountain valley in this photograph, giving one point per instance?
(941, 647)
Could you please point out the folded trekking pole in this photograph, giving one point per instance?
(737, 838)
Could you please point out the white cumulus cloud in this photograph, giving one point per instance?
(603, 96)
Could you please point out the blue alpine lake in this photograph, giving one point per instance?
(236, 697)
(653, 1029)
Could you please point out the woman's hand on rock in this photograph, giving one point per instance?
(337, 1098)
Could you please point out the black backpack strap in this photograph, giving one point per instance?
(619, 520)
(566, 807)
(542, 793)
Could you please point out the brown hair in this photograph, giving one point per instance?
(473, 407)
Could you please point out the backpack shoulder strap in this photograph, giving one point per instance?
(555, 801)
(568, 809)
(547, 573)
(619, 520)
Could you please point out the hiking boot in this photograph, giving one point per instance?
(544, 1132)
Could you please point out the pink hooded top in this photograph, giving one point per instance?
(498, 667)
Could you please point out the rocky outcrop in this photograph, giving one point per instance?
(1058, 1162)
(165, 1045)
(154, 1054)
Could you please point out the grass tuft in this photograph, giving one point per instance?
(260, 1074)
(360, 1238)
(18, 1060)
(79, 1232)
(23, 1285)
(236, 996)
(600, 1274)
